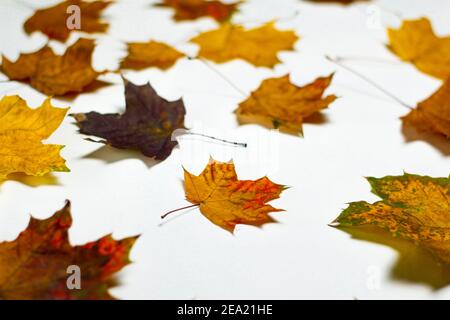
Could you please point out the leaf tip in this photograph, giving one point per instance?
(79, 117)
(334, 224)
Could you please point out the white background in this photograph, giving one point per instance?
(188, 257)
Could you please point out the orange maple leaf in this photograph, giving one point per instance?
(194, 9)
(432, 114)
(227, 201)
(337, 1)
(143, 55)
(52, 74)
(279, 104)
(53, 21)
(35, 265)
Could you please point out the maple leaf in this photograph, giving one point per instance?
(21, 131)
(415, 208)
(142, 55)
(258, 46)
(194, 9)
(35, 265)
(227, 201)
(433, 114)
(147, 124)
(278, 103)
(338, 1)
(416, 42)
(53, 21)
(52, 74)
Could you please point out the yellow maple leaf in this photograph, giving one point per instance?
(413, 207)
(227, 201)
(278, 103)
(416, 42)
(21, 131)
(433, 114)
(143, 55)
(52, 74)
(258, 46)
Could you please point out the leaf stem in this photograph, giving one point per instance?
(359, 58)
(24, 4)
(207, 64)
(289, 17)
(238, 144)
(179, 209)
(396, 14)
(370, 81)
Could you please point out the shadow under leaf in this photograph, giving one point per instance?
(437, 141)
(91, 88)
(110, 155)
(316, 119)
(414, 264)
(32, 181)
